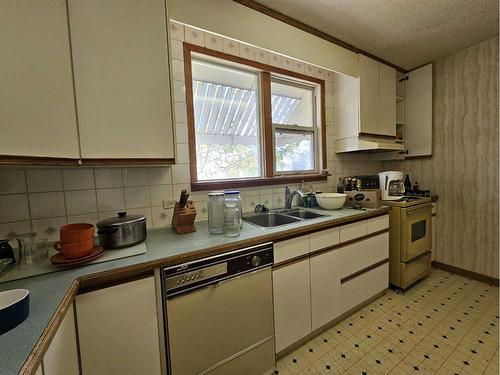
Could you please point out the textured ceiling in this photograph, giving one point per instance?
(408, 33)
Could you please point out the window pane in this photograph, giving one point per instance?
(291, 104)
(227, 122)
(294, 150)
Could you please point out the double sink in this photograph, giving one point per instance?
(281, 217)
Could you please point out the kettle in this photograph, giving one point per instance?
(6, 251)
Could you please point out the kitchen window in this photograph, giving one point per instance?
(251, 124)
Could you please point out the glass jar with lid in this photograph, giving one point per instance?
(236, 194)
(232, 213)
(216, 212)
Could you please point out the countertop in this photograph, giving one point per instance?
(22, 348)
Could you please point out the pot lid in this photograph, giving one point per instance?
(120, 219)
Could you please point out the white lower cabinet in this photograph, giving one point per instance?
(292, 303)
(363, 287)
(325, 288)
(118, 330)
(61, 357)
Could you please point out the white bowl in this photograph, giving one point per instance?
(331, 201)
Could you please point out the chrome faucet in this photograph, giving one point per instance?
(290, 195)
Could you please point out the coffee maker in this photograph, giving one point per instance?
(391, 185)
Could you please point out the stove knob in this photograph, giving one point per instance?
(255, 261)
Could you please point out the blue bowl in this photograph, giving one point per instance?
(14, 308)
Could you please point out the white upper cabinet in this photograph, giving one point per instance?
(418, 112)
(122, 81)
(377, 84)
(37, 109)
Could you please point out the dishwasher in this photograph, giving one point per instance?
(219, 314)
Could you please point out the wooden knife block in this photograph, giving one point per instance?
(183, 218)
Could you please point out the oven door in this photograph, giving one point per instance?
(416, 231)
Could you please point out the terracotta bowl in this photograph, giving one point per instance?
(73, 233)
(76, 249)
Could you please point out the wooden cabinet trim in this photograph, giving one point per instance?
(364, 270)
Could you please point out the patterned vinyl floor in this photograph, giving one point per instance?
(446, 324)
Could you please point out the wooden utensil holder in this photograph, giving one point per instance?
(183, 218)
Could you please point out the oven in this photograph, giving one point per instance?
(416, 231)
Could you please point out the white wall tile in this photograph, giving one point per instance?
(160, 193)
(287, 63)
(178, 70)
(161, 217)
(213, 41)
(108, 177)
(299, 67)
(176, 30)
(181, 132)
(145, 211)
(135, 176)
(328, 88)
(160, 175)
(329, 76)
(12, 181)
(182, 155)
(85, 218)
(230, 46)
(48, 229)
(110, 199)
(180, 174)
(261, 56)
(137, 197)
(249, 203)
(39, 180)
(201, 211)
(328, 101)
(320, 73)
(310, 70)
(78, 178)
(247, 52)
(177, 188)
(267, 199)
(275, 59)
(194, 36)
(176, 50)
(14, 208)
(44, 205)
(179, 91)
(11, 230)
(180, 112)
(80, 202)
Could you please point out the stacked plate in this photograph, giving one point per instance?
(76, 245)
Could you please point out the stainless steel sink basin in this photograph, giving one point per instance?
(270, 219)
(282, 217)
(303, 214)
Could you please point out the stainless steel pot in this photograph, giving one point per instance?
(122, 231)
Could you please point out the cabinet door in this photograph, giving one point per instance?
(387, 98)
(292, 303)
(369, 95)
(37, 109)
(433, 234)
(118, 330)
(325, 288)
(122, 85)
(61, 357)
(418, 101)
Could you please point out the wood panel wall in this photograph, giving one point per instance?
(463, 170)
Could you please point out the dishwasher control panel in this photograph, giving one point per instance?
(210, 270)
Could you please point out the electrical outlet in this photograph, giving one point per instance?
(168, 204)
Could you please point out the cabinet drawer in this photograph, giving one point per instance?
(377, 223)
(415, 270)
(362, 254)
(351, 231)
(324, 239)
(363, 287)
(292, 248)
